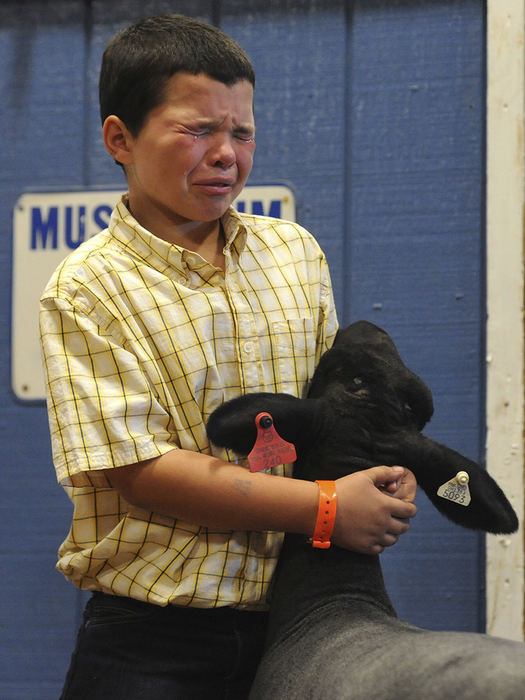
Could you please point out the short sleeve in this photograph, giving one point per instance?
(102, 411)
(328, 323)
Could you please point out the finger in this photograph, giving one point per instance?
(377, 549)
(390, 487)
(398, 527)
(402, 509)
(381, 476)
(389, 539)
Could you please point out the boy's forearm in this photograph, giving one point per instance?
(207, 491)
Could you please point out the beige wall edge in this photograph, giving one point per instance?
(505, 296)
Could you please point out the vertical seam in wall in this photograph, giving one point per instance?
(216, 13)
(482, 421)
(88, 36)
(346, 314)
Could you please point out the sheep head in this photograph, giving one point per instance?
(365, 408)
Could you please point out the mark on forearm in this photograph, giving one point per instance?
(243, 486)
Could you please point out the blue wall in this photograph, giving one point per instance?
(373, 111)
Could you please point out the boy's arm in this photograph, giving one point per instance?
(204, 490)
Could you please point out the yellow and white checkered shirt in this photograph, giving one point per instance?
(142, 340)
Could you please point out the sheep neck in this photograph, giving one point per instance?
(307, 578)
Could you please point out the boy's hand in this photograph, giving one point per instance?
(373, 508)
(404, 487)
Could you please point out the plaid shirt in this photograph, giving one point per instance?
(142, 340)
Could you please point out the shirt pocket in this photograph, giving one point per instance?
(294, 343)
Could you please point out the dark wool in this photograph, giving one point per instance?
(333, 631)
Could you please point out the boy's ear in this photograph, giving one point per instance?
(117, 139)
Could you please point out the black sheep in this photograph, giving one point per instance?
(333, 631)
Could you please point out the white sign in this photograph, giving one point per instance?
(46, 227)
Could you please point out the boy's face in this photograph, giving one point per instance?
(193, 155)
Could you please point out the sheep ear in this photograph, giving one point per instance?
(232, 425)
(418, 397)
(474, 501)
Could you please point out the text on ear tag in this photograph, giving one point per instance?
(270, 449)
(456, 490)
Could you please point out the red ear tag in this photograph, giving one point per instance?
(269, 449)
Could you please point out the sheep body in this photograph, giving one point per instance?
(333, 631)
(347, 648)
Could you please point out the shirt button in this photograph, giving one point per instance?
(248, 347)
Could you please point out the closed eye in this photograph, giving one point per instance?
(245, 136)
(361, 393)
(199, 131)
(359, 388)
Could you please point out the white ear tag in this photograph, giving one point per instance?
(456, 490)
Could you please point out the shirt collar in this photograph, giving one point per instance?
(234, 230)
(127, 230)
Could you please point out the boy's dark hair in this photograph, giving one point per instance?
(140, 59)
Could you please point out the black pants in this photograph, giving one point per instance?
(128, 650)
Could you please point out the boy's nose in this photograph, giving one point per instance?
(222, 152)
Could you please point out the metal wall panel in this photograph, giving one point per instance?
(42, 56)
(415, 231)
